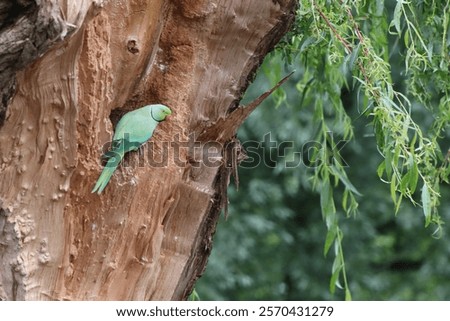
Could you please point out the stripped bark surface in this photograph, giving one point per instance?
(148, 236)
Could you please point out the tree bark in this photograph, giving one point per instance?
(66, 80)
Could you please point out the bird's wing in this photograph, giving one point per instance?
(119, 147)
(135, 127)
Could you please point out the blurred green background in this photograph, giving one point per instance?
(271, 245)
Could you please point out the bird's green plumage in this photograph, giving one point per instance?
(133, 129)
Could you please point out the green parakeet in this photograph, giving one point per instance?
(133, 129)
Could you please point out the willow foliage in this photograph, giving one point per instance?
(349, 44)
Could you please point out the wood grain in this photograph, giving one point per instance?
(148, 236)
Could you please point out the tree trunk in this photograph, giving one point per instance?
(69, 70)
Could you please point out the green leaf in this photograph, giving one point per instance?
(394, 189)
(414, 177)
(336, 271)
(194, 296)
(407, 40)
(345, 200)
(331, 236)
(381, 168)
(426, 204)
(399, 202)
(327, 203)
(348, 295)
(404, 183)
(379, 134)
(397, 16)
(388, 162)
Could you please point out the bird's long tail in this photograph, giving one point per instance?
(106, 174)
